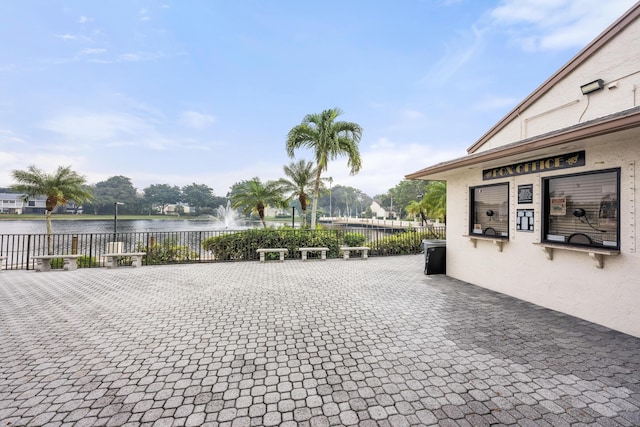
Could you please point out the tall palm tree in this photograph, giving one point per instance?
(254, 196)
(301, 176)
(329, 140)
(61, 187)
(436, 199)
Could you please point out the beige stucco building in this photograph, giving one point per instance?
(545, 205)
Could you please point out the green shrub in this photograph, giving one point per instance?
(354, 239)
(242, 245)
(85, 261)
(165, 252)
(57, 263)
(407, 242)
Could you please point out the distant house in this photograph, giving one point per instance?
(177, 209)
(12, 203)
(545, 205)
(377, 210)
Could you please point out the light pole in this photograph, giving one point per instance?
(293, 217)
(330, 179)
(115, 218)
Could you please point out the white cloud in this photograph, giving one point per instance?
(556, 24)
(468, 46)
(196, 120)
(385, 164)
(71, 37)
(144, 15)
(84, 20)
(412, 114)
(92, 51)
(66, 36)
(8, 137)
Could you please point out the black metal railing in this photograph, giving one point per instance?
(221, 245)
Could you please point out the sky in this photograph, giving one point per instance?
(205, 91)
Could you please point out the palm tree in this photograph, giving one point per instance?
(301, 176)
(254, 196)
(63, 186)
(329, 140)
(418, 208)
(436, 199)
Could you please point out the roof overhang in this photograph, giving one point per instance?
(588, 132)
(611, 32)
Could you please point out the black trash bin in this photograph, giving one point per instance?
(435, 256)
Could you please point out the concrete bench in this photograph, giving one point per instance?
(263, 251)
(112, 259)
(69, 262)
(3, 258)
(346, 250)
(323, 252)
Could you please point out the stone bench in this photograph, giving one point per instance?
(346, 250)
(3, 258)
(69, 262)
(112, 258)
(263, 251)
(323, 252)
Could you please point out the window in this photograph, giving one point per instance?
(490, 210)
(582, 209)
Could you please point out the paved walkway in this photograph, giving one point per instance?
(317, 343)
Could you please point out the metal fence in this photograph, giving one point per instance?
(187, 246)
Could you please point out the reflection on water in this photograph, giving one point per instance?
(106, 226)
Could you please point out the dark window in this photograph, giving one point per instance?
(582, 209)
(490, 210)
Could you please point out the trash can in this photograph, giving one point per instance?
(435, 256)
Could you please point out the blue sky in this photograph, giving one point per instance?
(205, 91)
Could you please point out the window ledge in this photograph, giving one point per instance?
(497, 240)
(596, 254)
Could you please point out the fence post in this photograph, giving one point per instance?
(74, 245)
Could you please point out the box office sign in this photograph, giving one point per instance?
(562, 161)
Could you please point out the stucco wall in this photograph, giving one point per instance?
(570, 282)
(617, 63)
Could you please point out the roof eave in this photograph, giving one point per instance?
(614, 123)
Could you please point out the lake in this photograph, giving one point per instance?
(106, 226)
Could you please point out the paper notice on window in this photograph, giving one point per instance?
(558, 206)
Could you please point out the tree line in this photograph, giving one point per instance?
(327, 138)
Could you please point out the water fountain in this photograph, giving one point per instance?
(228, 217)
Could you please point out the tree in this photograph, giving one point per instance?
(345, 199)
(198, 195)
(403, 194)
(63, 186)
(329, 140)
(162, 194)
(436, 199)
(418, 208)
(115, 189)
(301, 176)
(254, 196)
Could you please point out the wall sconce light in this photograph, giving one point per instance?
(592, 87)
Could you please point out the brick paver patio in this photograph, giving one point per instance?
(317, 343)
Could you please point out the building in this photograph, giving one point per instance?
(545, 205)
(11, 203)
